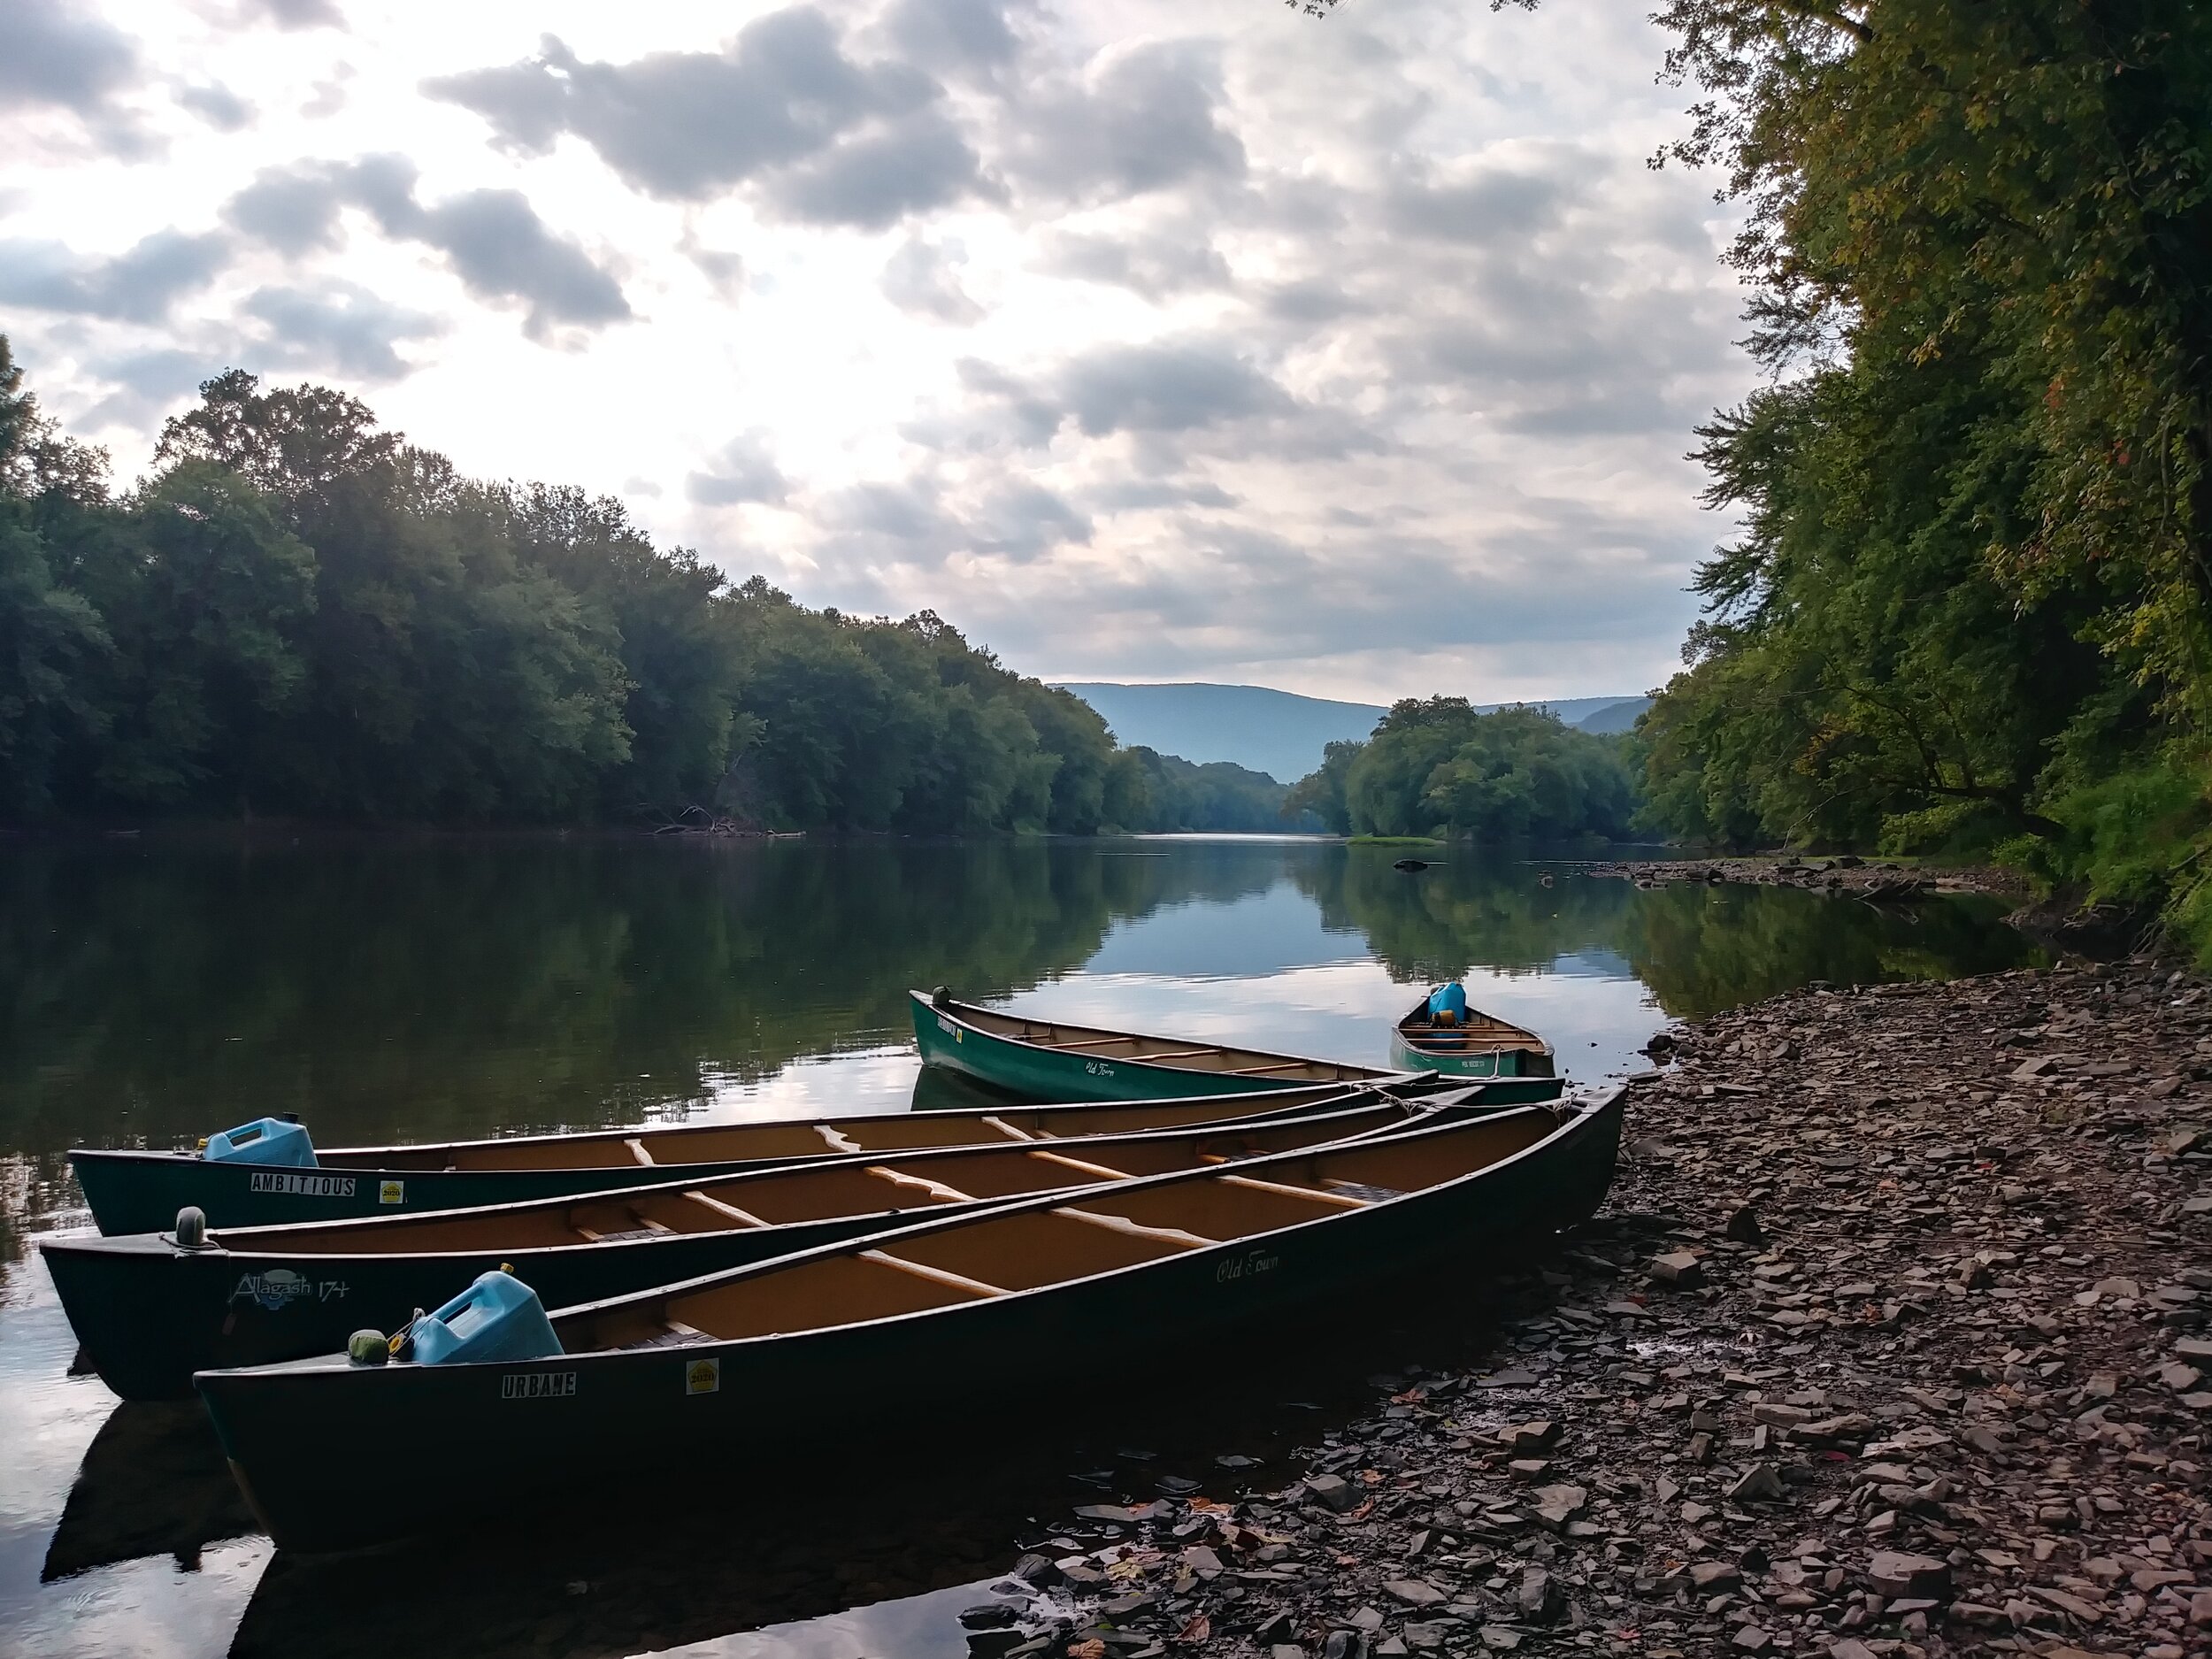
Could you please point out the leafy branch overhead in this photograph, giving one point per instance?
(1968, 603)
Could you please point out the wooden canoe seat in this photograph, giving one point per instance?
(1007, 1130)
(1362, 1189)
(918, 1183)
(1090, 1042)
(936, 1275)
(1343, 1201)
(1138, 1230)
(1280, 1065)
(837, 1142)
(744, 1218)
(1177, 1054)
(637, 1149)
(1080, 1166)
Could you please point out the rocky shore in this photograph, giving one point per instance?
(1893, 1340)
(1874, 879)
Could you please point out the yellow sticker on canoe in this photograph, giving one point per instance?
(704, 1377)
(391, 1192)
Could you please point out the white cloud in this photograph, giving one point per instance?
(1180, 341)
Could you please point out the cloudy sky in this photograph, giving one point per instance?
(1141, 339)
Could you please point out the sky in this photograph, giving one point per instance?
(1142, 339)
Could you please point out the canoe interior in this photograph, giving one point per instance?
(1088, 1043)
(1478, 1033)
(778, 1197)
(1032, 1248)
(889, 1132)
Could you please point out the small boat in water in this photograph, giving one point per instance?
(132, 1191)
(150, 1311)
(1443, 1035)
(1032, 1058)
(978, 1317)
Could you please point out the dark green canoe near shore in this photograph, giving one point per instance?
(134, 1191)
(1031, 1058)
(977, 1318)
(148, 1312)
(1479, 1045)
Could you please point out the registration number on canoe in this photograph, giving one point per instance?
(537, 1384)
(301, 1186)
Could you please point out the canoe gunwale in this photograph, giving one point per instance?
(273, 1239)
(1572, 1117)
(1415, 1032)
(983, 1022)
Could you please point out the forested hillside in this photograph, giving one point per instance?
(1442, 767)
(300, 614)
(1970, 606)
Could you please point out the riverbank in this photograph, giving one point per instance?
(1892, 1340)
(1867, 877)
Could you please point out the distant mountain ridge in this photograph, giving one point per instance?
(1279, 732)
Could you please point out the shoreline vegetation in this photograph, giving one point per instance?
(298, 615)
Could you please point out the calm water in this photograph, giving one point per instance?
(151, 992)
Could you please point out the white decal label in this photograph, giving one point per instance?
(945, 1025)
(301, 1186)
(391, 1192)
(537, 1384)
(1098, 1068)
(1249, 1265)
(277, 1289)
(704, 1377)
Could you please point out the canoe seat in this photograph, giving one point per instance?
(1361, 1189)
(921, 1184)
(674, 1334)
(637, 1149)
(936, 1275)
(1080, 1166)
(744, 1218)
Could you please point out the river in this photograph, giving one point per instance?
(153, 991)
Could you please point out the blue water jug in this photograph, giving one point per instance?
(1449, 999)
(265, 1141)
(498, 1317)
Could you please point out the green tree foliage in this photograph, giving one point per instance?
(299, 614)
(1972, 601)
(1437, 767)
(1174, 793)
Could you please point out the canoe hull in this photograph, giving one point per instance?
(1504, 1064)
(1414, 1045)
(134, 1192)
(632, 1416)
(141, 1192)
(1032, 1071)
(146, 1314)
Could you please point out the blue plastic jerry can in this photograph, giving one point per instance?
(1449, 999)
(263, 1140)
(498, 1317)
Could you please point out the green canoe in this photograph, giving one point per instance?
(1480, 1046)
(148, 1312)
(141, 1192)
(1041, 1059)
(988, 1317)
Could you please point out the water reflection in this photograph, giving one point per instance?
(152, 992)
